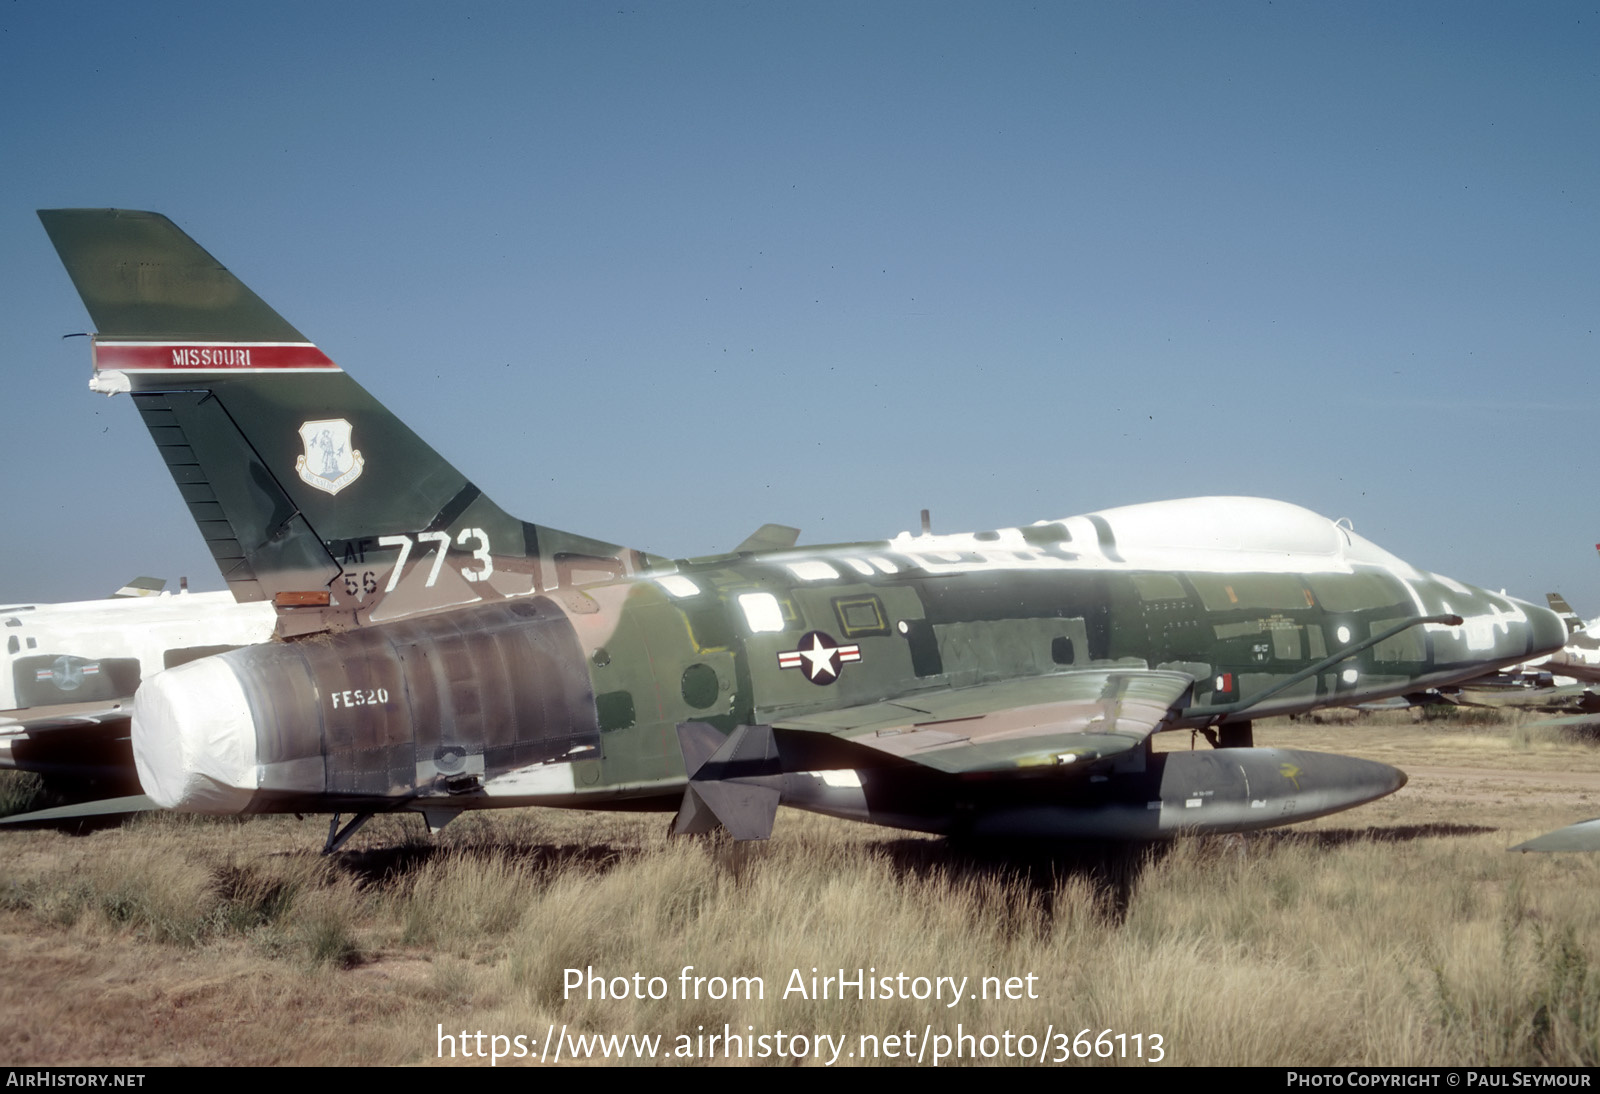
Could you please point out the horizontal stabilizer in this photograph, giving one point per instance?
(106, 807)
(736, 786)
(747, 812)
(698, 742)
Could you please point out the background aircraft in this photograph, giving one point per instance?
(1562, 682)
(71, 671)
(1578, 660)
(443, 656)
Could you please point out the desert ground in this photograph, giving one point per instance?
(1400, 933)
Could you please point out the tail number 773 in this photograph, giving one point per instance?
(440, 542)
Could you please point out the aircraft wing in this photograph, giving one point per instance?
(1032, 725)
(83, 748)
(30, 720)
(1011, 724)
(1567, 696)
(1562, 663)
(1590, 720)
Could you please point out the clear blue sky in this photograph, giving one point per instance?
(662, 273)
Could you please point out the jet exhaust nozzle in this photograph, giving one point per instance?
(433, 707)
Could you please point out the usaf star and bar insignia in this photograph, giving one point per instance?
(819, 657)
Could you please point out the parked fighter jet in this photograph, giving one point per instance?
(1563, 682)
(1579, 659)
(71, 671)
(440, 656)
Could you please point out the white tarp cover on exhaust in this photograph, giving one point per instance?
(194, 741)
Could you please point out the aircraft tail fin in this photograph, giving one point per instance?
(308, 491)
(770, 537)
(141, 586)
(1559, 605)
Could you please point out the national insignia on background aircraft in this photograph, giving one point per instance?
(71, 672)
(439, 655)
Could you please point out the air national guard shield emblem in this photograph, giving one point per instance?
(329, 463)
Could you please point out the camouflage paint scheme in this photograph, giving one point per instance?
(436, 654)
(1563, 683)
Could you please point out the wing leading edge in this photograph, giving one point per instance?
(1054, 720)
(1001, 732)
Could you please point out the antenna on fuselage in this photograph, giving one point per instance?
(927, 525)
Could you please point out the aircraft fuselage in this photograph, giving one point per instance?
(573, 696)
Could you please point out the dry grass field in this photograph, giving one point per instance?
(1402, 933)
